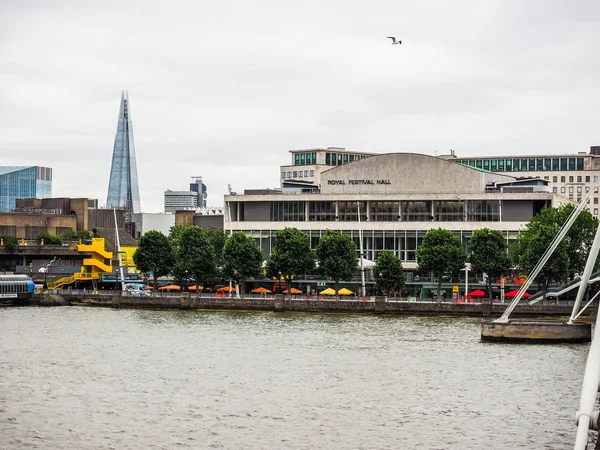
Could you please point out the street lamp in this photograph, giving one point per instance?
(46, 272)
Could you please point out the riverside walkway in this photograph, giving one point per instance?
(298, 303)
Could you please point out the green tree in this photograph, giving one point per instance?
(488, 254)
(69, 233)
(84, 234)
(195, 255)
(388, 273)
(49, 239)
(291, 255)
(440, 252)
(338, 257)
(154, 254)
(580, 236)
(242, 259)
(532, 243)
(217, 237)
(179, 271)
(10, 242)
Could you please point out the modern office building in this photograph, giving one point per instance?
(569, 175)
(391, 201)
(23, 182)
(307, 165)
(123, 188)
(182, 200)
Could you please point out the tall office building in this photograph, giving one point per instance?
(123, 188)
(181, 200)
(570, 175)
(23, 182)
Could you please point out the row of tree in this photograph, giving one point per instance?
(193, 255)
(441, 252)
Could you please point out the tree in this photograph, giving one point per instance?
(337, 255)
(488, 254)
(154, 254)
(580, 236)
(84, 234)
(388, 273)
(67, 234)
(440, 252)
(532, 243)
(217, 237)
(291, 255)
(195, 256)
(179, 271)
(49, 239)
(242, 258)
(10, 242)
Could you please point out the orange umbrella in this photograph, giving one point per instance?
(292, 291)
(226, 289)
(193, 288)
(149, 287)
(171, 287)
(260, 290)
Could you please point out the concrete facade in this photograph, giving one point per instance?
(400, 196)
(145, 222)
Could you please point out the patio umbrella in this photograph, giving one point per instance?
(345, 291)
(327, 291)
(515, 292)
(226, 289)
(193, 288)
(150, 287)
(292, 291)
(171, 287)
(260, 290)
(476, 293)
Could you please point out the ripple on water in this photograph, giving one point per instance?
(90, 378)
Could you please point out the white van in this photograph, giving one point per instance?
(137, 290)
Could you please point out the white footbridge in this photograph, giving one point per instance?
(587, 417)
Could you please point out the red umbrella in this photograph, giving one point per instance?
(515, 292)
(476, 293)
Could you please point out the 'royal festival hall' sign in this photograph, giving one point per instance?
(344, 182)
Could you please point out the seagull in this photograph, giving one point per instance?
(394, 41)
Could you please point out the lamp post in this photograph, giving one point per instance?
(362, 261)
(279, 283)
(46, 272)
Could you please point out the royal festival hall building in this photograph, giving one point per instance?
(392, 200)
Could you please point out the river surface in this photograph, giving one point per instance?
(93, 378)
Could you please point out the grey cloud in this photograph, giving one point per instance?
(225, 89)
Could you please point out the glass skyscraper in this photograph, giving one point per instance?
(23, 182)
(123, 188)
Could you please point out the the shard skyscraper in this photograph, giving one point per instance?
(123, 189)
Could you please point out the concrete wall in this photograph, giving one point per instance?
(209, 221)
(380, 306)
(406, 173)
(145, 222)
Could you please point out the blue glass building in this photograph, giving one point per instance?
(23, 182)
(123, 188)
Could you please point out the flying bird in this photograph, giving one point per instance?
(394, 41)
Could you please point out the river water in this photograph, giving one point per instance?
(92, 378)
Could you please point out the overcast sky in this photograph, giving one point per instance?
(224, 89)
